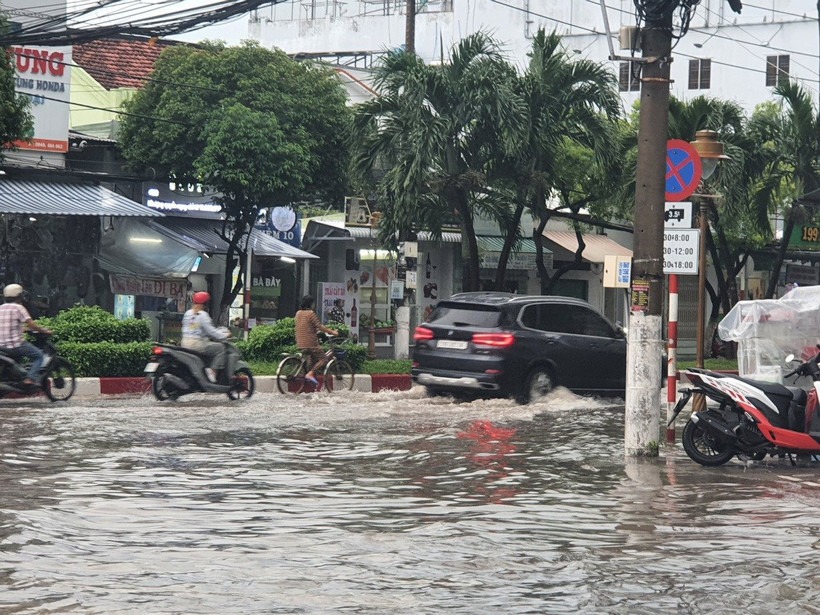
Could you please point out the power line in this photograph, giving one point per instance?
(91, 72)
(722, 36)
(56, 30)
(114, 111)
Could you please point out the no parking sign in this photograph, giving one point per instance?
(683, 170)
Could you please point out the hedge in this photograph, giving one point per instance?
(99, 345)
(87, 324)
(106, 359)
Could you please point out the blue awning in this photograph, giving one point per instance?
(66, 199)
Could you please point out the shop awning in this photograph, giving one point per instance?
(596, 247)
(368, 232)
(496, 244)
(19, 196)
(203, 236)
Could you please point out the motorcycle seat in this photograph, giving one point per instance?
(770, 388)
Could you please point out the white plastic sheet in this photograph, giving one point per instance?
(767, 330)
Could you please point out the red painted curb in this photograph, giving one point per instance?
(118, 386)
(391, 382)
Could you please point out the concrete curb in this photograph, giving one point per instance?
(366, 383)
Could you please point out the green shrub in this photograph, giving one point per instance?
(268, 342)
(387, 366)
(106, 358)
(91, 324)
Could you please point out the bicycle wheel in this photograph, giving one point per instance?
(339, 376)
(290, 377)
(59, 381)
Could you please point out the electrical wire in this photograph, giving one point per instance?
(114, 111)
(128, 19)
(722, 36)
(91, 71)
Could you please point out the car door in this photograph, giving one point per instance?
(604, 346)
(547, 336)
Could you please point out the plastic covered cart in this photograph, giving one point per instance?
(767, 330)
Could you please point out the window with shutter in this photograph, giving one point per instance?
(705, 74)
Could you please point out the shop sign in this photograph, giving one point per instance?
(179, 198)
(148, 287)
(43, 75)
(291, 236)
(519, 260)
(806, 237)
(802, 275)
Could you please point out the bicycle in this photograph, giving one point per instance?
(338, 374)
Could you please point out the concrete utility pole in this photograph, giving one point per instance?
(645, 344)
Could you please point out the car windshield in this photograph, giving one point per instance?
(460, 315)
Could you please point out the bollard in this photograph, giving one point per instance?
(401, 347)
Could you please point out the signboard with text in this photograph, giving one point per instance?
(148, 287)
(43, 74)
(680, 251)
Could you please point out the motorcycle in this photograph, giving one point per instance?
(176, 371)
(753, 419)
(58, 380)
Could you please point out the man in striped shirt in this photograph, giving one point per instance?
(308, 326)
(12, 318)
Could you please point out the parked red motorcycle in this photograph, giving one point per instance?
(753, 419)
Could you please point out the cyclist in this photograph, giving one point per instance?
(308, 327)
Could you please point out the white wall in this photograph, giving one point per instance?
(738, 48)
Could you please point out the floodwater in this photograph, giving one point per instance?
(386, 503)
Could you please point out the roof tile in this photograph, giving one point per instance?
(118, 63)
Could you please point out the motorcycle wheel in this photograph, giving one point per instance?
(703, 448)
(162, 389)
(242, 384)
(59, 381)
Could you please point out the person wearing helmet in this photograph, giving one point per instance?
(199, 333)
(13, 317)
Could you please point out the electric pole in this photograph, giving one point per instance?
(410, 26)
(645, 343)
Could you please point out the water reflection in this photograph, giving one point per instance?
(391, 503)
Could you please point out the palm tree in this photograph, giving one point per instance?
(791, 140)
(434, 128)
(571, 104)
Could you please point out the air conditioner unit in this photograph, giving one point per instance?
(628, 37)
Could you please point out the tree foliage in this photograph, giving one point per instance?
(434, 128)
(254, 125)
(16, 122)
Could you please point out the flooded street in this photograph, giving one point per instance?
(386, 503)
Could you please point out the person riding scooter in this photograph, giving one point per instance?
(199, 334)
(13, 316)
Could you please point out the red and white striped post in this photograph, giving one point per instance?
(672, 360)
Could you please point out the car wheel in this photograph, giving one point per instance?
(538, 385)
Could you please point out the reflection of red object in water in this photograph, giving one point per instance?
(485, 430)
(489, 450)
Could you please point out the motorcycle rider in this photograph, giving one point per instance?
(199, 334)
(308, 326)
(13, 316)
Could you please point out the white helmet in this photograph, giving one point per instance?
(12, 291)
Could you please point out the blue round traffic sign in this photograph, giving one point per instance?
(683, 170)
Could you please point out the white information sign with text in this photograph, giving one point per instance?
(680, 251)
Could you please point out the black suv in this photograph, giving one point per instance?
(500, 344)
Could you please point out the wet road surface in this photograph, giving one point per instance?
(386, 503)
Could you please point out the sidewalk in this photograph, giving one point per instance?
(367, 383)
